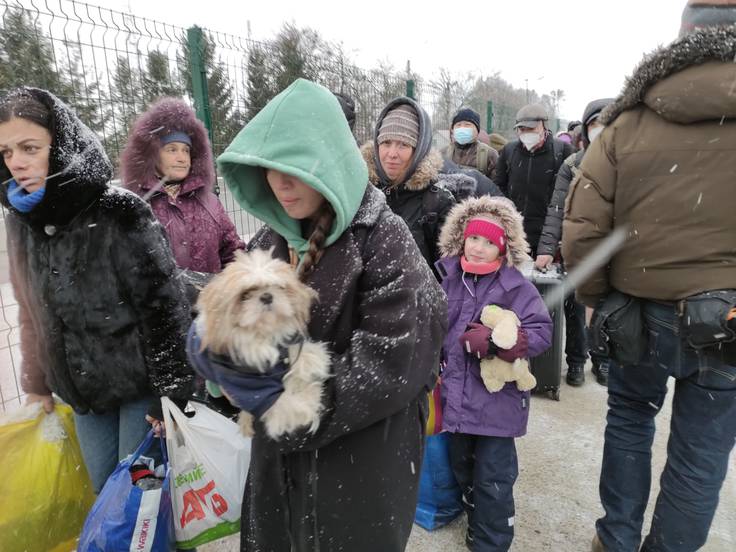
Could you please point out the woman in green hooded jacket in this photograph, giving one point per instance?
(352, 484)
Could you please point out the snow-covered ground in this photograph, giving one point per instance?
(557, 490)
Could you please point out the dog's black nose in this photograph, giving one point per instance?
(266, 298)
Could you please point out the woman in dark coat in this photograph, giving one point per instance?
(102, 317)
(168, 161)
(352, 484)
(402, 164)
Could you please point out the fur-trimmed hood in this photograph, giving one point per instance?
(697, 48)
(139, 158)
(500, 209)
(427, 171)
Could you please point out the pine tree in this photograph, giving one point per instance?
(297, 53)
(290, 61)
(226, 119)
(82, 91)
(26, 54)
(259, 84)
(159, 80)
(127, 100)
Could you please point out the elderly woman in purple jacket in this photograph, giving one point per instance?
(483, 243)
(168, 161)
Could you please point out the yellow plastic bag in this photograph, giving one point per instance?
(45, 492)
(434, 419)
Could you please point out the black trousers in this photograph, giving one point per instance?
(576, 342)
(486, 469)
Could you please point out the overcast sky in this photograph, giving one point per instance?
(584, 47)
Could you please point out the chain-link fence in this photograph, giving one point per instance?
(109, 66)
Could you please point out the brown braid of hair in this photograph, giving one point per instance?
(323, 223)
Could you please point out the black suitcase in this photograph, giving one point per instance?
(547, 367)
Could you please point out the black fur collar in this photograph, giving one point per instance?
(710, 44)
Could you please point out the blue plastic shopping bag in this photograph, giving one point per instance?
(125, 517)
(440, 498)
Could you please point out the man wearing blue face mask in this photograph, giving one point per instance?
(465, 149)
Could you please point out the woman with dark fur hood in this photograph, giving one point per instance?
(402, 164)
(103, 318)
(168, 161)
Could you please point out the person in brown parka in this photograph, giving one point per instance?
(663, 171)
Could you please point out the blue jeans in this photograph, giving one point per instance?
(105, 439)
(702, 433)
(486, 469)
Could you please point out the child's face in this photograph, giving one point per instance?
(479, 250)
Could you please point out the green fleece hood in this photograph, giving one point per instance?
(301, 132)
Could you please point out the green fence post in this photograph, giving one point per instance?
(199, 85)
(489, 117)
(410, 89)
(199, 78)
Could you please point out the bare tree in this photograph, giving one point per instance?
(454, 91)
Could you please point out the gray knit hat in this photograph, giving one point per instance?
(707, 13)
(400, 124)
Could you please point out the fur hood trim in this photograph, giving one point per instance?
(696, 48)
(427, 172)
(139, 158)
(500, 209)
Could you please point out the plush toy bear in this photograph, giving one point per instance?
(495, 371)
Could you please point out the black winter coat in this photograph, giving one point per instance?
(528, 179)
(549, 242)
(353, 484)
(103, 319)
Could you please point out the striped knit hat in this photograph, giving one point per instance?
(401, 124)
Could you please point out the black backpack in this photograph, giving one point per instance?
(431, 217)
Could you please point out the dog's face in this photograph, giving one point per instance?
(255, 295)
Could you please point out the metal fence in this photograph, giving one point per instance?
(109, 66)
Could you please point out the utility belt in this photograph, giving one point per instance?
(707, 323)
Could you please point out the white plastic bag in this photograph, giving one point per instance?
(209, 460)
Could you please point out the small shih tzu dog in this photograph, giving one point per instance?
(256, 312)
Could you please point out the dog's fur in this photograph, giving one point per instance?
(254, 306)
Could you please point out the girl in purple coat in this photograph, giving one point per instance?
(483, 243)
(168, 161)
